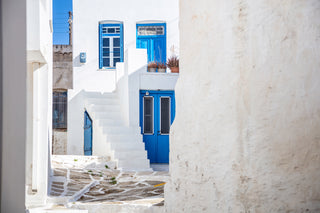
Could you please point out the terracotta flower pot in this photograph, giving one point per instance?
(152, 69)
(174, 69)
(161, 70)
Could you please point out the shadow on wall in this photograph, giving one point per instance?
(76, 61)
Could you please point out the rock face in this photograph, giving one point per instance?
(246, 137)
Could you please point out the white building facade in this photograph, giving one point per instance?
(113, 95)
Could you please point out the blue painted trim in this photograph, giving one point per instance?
(100, 46)
(121, 42)
(110, 25)
(108, 35)
(89, 152)
(152, 24)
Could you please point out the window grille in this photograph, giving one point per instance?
(165, 115)
(151, 30)
(148, 115)
(59, 110)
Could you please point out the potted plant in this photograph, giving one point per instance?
(152, 66)
(162, 67)
(173, 64)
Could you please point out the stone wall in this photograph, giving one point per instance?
(59, 142)
(246, 137)
(62, 67)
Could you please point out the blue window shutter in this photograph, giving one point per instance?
(121, 43)
(100, 46)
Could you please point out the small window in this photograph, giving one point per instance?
(148, 115)
(60, 110)
(111, 44)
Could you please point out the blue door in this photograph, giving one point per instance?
(87, 134)
(157, 111)
(153, 38)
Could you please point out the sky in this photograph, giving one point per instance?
(60, 21)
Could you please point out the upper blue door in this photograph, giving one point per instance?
(157, 111)
(87, 134)
(153, 38)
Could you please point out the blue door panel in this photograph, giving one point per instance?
(87, 134)
(150, 146)
(157, 144)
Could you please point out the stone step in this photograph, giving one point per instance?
(124, 142)
(109, 121)
(113, 115)
(123, 153)
(104, 108)
(120, 138)
(126, 145)
(114, 129)
(134, 165)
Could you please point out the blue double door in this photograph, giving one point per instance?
(157, 112)
(87, 134)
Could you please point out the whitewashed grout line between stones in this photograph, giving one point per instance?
(65, 184)
(86, 189)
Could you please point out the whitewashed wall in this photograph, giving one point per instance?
(247, 130)
(39, 100)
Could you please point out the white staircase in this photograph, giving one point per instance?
(124, 144)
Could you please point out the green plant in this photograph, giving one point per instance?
(152, 65)
(162, 66)
(75, 159)
(113, 178)
(89, 170)
(113, 182)
(173, 61)
(107, 167)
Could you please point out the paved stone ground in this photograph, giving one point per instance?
(104, 185)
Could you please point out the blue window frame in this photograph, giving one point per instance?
(110, 44)
(153, 37)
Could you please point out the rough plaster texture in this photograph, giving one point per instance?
(246, 136)
(62, 67)
(59, 142)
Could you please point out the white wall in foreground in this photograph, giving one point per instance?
(247, 130)
(13, 105)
